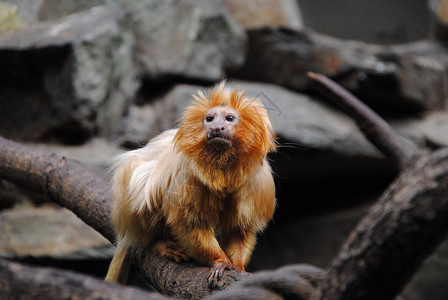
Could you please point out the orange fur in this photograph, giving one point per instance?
(181, 191)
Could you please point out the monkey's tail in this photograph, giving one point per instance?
(120, 265)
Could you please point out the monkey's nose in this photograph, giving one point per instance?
(218, 129)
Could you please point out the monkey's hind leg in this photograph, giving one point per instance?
(120, 265)
(172, 250)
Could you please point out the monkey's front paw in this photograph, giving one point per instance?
(177, 254)
(216, 273)
(171, 250)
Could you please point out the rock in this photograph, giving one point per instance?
(9, 18)
(305, 120)
(95, 154)
(72, 78)
(430, 131)
(55, 9)
(45, 10)
(27, 10)
(49, 232)
(309, 122)
(138, 126)
(144, 122)
(202, 43)
(403, 78)
(381, 21)
(296, 117)
(154, 116)
(439, 13)
(435, 129)
(266, 13)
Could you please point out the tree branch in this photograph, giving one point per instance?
(374, 128)
(66, 182)
(70, 184)
(18, 281)
(375, 262)
(402, 228)
(389, 244)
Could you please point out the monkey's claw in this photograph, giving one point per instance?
(177, 255)
(216, 273)
(171, 250)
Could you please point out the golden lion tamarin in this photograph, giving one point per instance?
(187, 188)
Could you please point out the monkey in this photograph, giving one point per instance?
(202, 191)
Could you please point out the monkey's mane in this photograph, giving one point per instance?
(254, 137)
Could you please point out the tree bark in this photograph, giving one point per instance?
(67, 182)
(410, 219)
(388, 246)
(70, 184)
(186, 280)
(18, 281)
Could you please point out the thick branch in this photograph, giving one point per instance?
(399, 232)
(403, 228)
(186, 280)
(65, 181)
(375, 129)
(72, 185)
(18, 281)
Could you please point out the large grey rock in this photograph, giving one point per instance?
(96, 154)
(44, 10)
(9, 18)
(266, 13)
(27, 10)
(427, 132)
(406, 77)
(305, 120)
(309, 122)
(381, 21)
(73, 76)
(55, 9)
(296, 117)
(49, 232)
(197, 39)
(144, 122)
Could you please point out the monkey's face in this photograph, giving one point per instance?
(220, 123)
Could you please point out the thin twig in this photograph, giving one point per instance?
(374, 128)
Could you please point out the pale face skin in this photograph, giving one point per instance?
(220, 123)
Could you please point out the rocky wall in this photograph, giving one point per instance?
(91, 79)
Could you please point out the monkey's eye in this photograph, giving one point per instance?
(230, 118)
(209, 118)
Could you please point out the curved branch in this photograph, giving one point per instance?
(18, 281)
(374, 128)
(402, 228)
(400, 231)
(66, 182)
(70, 184)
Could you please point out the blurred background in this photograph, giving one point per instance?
(90, 79)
